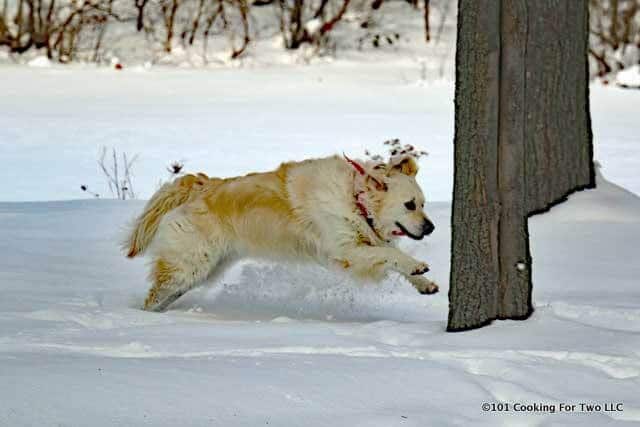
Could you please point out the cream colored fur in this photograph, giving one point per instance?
(196, 226)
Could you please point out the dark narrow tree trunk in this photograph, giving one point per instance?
(473, 292)
(522, 144)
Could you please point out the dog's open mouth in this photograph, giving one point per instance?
(403, 231)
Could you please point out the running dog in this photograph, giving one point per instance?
(334, 211)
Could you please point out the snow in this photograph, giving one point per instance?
(313, 25)
(226, 122)
(277, 344)
(229, 122)
(39, 62)
(629, 77)
(283, 344)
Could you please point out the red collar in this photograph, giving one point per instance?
(355, 165)
(364, 212)
(360, 205)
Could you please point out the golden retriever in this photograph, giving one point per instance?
(335, 211)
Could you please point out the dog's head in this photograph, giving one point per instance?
(399, 207)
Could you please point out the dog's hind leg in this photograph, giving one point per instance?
(167, 285)
(183, 259)
(174, 278)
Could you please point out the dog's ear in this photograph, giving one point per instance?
(376, 174)
(406, 165)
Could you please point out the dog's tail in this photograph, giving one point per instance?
(168, 197)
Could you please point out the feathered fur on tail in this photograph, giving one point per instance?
(167, 198)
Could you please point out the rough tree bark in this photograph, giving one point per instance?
(522, 143)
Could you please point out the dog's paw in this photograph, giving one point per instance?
(429, 289)
(423, 285)
(419, 269)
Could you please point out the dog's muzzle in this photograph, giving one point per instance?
(427, 227)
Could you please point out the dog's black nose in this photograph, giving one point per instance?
(427, 227)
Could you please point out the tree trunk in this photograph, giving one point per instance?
(475, 209)
(522, 143)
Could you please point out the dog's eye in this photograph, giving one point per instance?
(411, 205)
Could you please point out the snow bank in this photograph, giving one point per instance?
(278, 344)
(54, 122)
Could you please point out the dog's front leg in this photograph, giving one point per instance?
(422, 284)
(375, 261)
